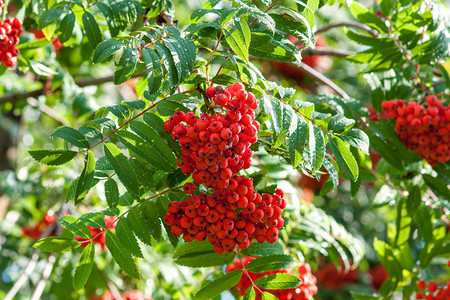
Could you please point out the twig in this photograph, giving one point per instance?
(349, 24)
(165, 17)
(328, 51)
(45, 275)
(47, 110)
(34, 258)
(81, 83)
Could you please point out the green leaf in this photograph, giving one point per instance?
(437, 185)
(57, 244)
(66, 27)
(200, 255)
(316, 146)
(359, 296)
(49, 16)
(105, 49)
(238, 38)
(149, 212)
(111, 192)
(52, 157)
(71, 135)
(298, 140)
(367, 17)
(413, 201)
(339, 123)
(219, 285)
(270, 263)
(278, 281)
(84, 267)
(119, 110)
(183, 61)
(86, 179)
(154, 70)
(122, 167)
(344, 158)
(250, 294)
(167, 108)
(93, 33)
(169, 65)
(139, 226)
(93, 219)
(76, 226)
(144, 150)
(126, 65)
(263, 249)
(268, 296)
(127, 238)
(358, 139)
(121, 254)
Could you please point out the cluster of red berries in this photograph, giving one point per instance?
(423, 129)
(330, 277)
(133, 295)
(432, 291)
(35, 231)
(229, 217)
(10, 30)
(99, 233)
(216, 147)
(305, 291)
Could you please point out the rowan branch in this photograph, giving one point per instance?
(349, 24)
(81, 83)
(327, 52)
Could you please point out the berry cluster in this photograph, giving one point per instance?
(216, 147)
(330, 277)
(230, 217)
(35, 231)
(100, 239)
(432, 291)
(423, 129)
(305, 291)
(133, 295)
(10, 30)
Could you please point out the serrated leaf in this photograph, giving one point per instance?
(268, 296)
(138, 225)
(437, 185)
(154, 70)
(144, 150)
(66, 27)
(122, 167)
(249, 294)
(111, 192)
(93, 219)
(219, 285)
(163, 203)
(263, 249)
(278, 281)
(169, 65)
(49, 16)
(76, 226)
(358, 139)
(149, 212)
(71, 135)
(52, 157)
(57, 244)
(238, 38)
(298, 140)
(86, 179)
(413, 201)
(84, 267)
(126, 65)
(316, 146)
(200, 255)
(367, 17)
(120, 254)
(105, 49)
(270, 263)
(339, 123)
(127, 238)
(344, 158)
(93, 33)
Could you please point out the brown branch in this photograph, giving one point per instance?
(47, 110)
(327, 52)
(349, 24)
(81, 83)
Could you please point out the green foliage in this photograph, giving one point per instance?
(278, 281)
(219, 285)
(56, 244)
